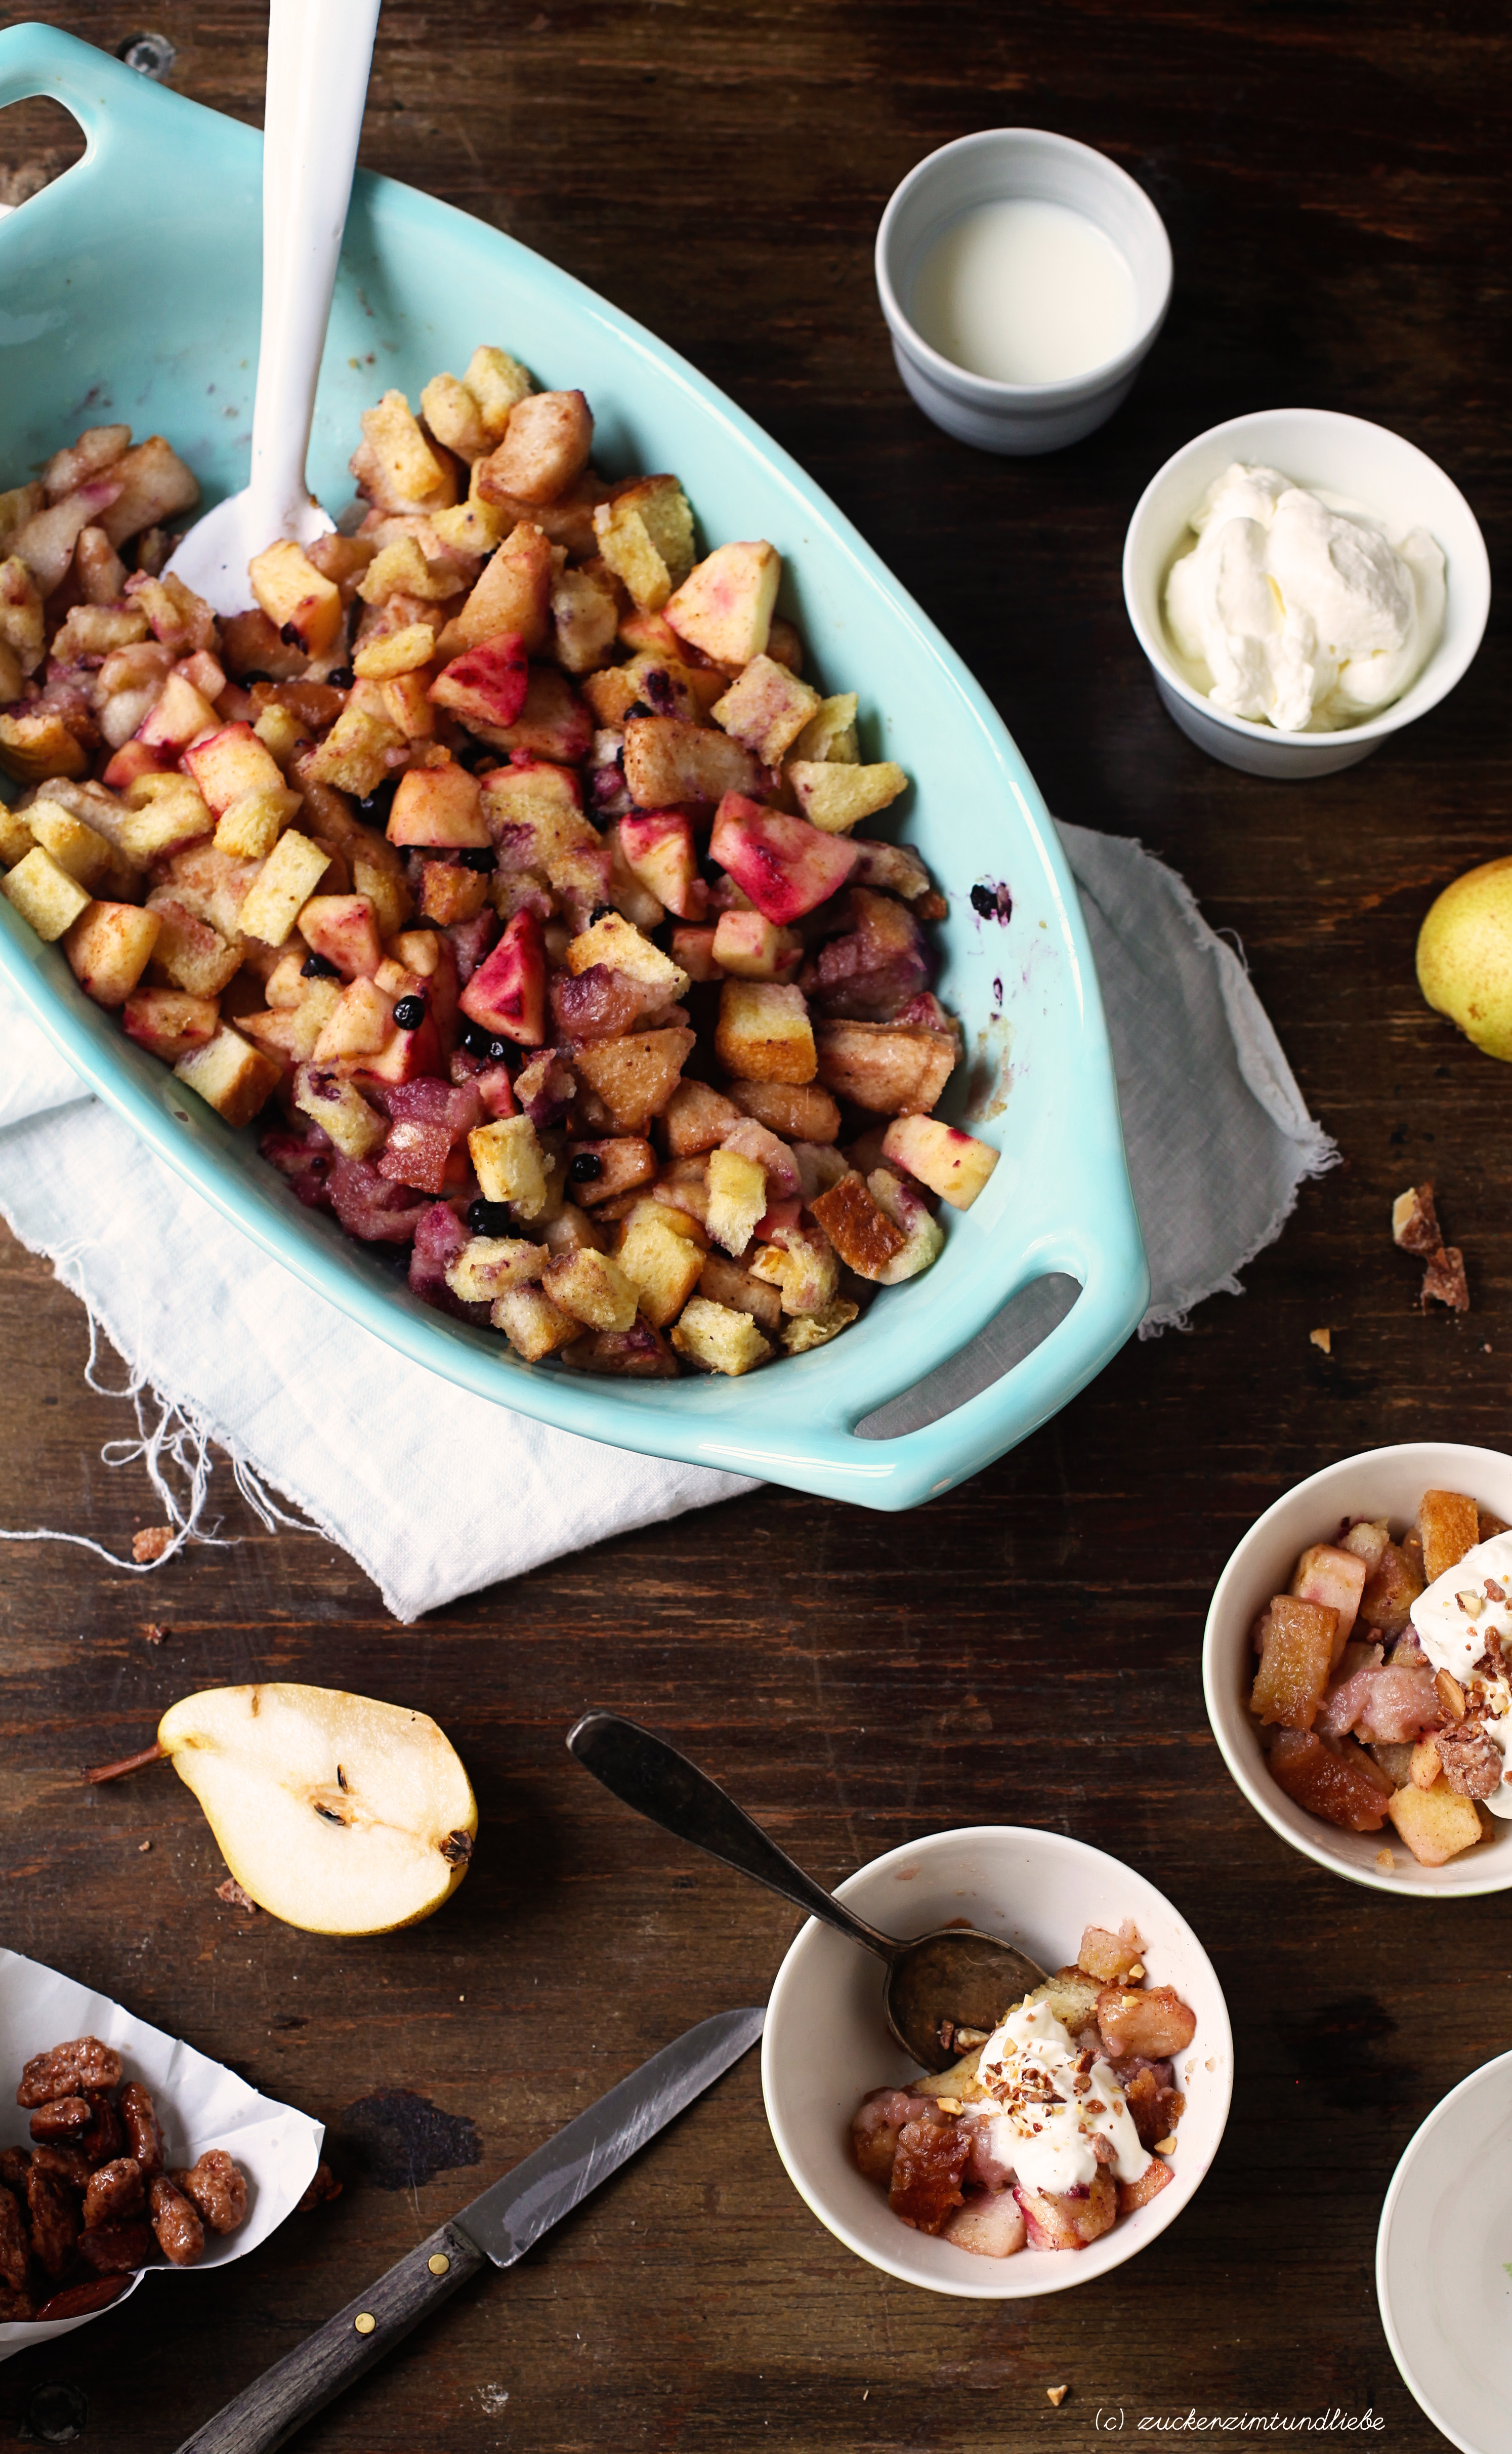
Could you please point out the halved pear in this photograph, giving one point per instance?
(333, 1812)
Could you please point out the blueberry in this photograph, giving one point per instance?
(290, 636)
(247, 680)
(318, 967)
(587, 1168)
(341, 677)
(409, 1012)
(600, 912)
(374, 805)
(478, 857)
(488, 1217)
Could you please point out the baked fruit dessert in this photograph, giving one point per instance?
(1382, 1687)
(501, 860)
(1050, 2129)
(91, 2201)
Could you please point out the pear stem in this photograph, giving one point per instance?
(154, 1753)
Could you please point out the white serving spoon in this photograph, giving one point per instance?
(319, 57)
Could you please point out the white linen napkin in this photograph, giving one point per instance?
(437, 1493)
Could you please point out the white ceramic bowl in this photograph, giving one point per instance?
(996, 163)
(1378, 1482)
(1442, 2255)
(826, 2041)
(1347, 455)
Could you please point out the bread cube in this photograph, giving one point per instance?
(454, 417)
(894, 1069)
(696, 1119)
(834, 797)
(16, 837)
(1296, 1664)
(764, 1034)
(584, 619)
(612, 940)
(488, 1266)
(636, 1077)
(109, 948)
(593, 1288)
(661, 1265)
(394, 652)
(534, 1326)
(829, 736)
(394, 466)
(35, 747)
(286, 882)
(252, 825)
(800, 1263)
(163, 812)
(506, 1160)
(1435, 1823)
(726, 604)
(748, 946)
(497, 383)
(169, 1021)
(338, 1107)
(646, 535)
(448, 893)
(190, 952)
(817, 1328)
(354, 755)
(737, 1198)
(73, 843)
(668, 759)
(767, 708)
(952, 1163)
(44, 893)
(1450, 1526)
(719, 1339)
(726, 1282)
(861, 1231)
(231, 1075)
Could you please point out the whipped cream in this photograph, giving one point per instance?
(1299, 608)
(1051, 2102)
(1454, 1619)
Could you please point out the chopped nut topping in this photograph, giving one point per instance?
(1322, 1338)
(1058, 2394)
(949, 2103)
(1471, 1602)
(1138, 1969)
(1166, 2146)
(969, 2037)
(1450, 1692)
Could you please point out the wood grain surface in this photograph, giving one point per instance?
(1334, 178)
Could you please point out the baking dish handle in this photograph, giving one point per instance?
(99, 92)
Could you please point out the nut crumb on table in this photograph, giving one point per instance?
(149, 1544)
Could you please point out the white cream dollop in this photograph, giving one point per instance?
(1298, 609)
(1051, 2102)
(1453, 1620)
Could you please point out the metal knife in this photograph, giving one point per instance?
(500, 2225)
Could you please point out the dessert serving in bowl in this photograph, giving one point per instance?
(1354, 1670)
(420, 288)
(1044, 2170)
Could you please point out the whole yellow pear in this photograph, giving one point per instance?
(1464, 956)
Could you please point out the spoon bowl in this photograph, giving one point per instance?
(954, 1977)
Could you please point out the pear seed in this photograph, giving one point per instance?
(330, 1815)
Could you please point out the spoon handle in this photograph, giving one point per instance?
(651, 1776)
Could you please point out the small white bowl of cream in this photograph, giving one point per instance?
(1303, 584)
(1024, 278)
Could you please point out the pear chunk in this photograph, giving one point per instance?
(333, 1812)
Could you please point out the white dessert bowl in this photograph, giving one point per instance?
(1345, 456)
(993, 166)
(1377, 1482)
(1442, 2254)
(826, 2042)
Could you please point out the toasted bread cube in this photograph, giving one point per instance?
(748, 946)
(109, 948)
(726, 604)
(612, 940)
(829, 736)
(1435, 1823)
(726, 1282)
(818, 1328)
(894, 1069)
(593, 1288)
(545, 446)
(488, 1266)
(763, 1032)
(668, 759)
(636, 1077)
(233, 1077)
(163, 812)
(448, 895)
(168, 1022)
(338, 1107)
(952, 1163)
(394, 465)
(386, 890)
(395, 653)
(584, 619)
(835, 797)
(251, 826)
(191, 954)
(722, 1340)
(661, 1265)
(508, 1161)
(862, 1235)
(35, 747)
(697, 1118)
(454, 418)
(16, 837)
(354, 755)
(286, 881)
(646, 535)
(292, 1034)
(44, 893)
(1295, 1665)
(497, 383)
(534, 1326)
(1450, 1526)
(737, 1198)
(73, 843)
(292, 592)
(803, 1266)
(767, 708)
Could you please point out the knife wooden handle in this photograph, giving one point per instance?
(280, 2402)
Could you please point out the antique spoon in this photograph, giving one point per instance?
(319, 56)
(955, 1978)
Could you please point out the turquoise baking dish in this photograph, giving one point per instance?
(130, 289)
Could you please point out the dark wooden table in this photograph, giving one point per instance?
(1334, 185)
